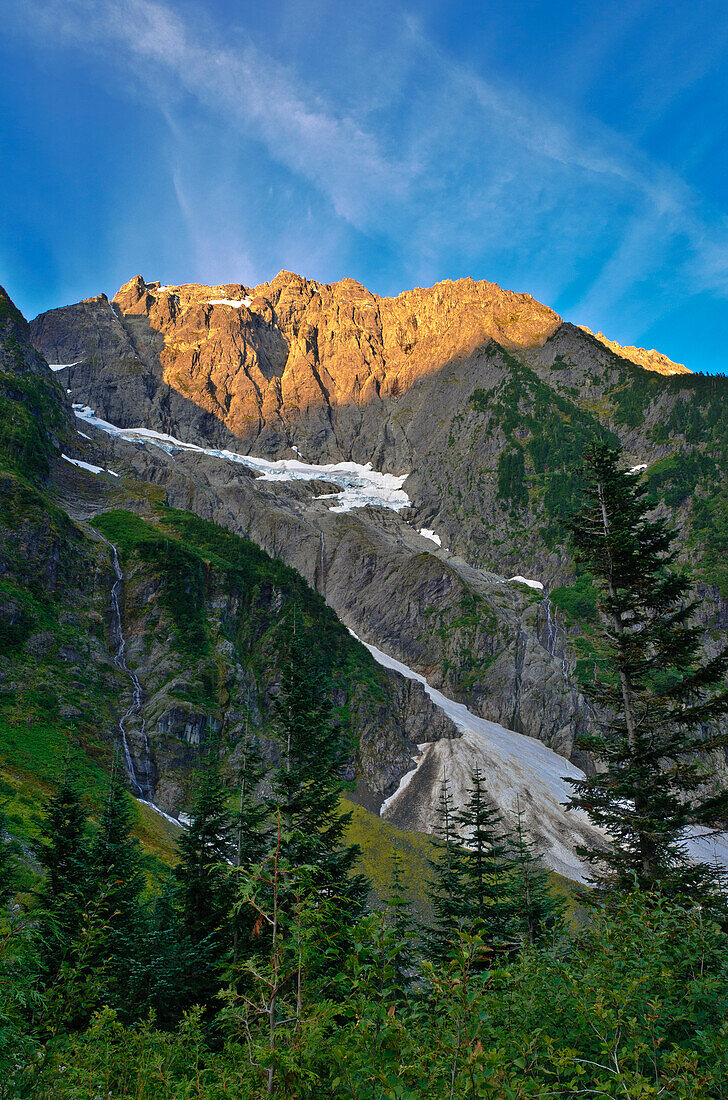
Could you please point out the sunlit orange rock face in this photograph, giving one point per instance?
(649, 359)
(293, 345)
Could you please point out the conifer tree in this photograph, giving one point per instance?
(401, 929)
(446, 881)
(167, 956)
(661, 701)
(63, 852)
(537, 913)
(308, 782)
(253, 833)
(487, 907)
(472, 887)
(251, 824)
(117, 879)
(206, 849)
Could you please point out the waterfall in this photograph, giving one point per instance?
(552, 638)
(143, 784)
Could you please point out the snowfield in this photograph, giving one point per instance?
(359, 486)
(236, 303)
(519, 773)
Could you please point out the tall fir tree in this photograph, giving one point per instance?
(485, 867)
(206, 848)
(253, 832)
(116, 877)
(63, 853)
(538, 915)
(473, 889)
(661, 702)
(309, 780)
(445, 880)
(401, 930)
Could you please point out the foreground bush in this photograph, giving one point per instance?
(635, 1007)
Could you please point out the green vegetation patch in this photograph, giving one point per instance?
(512, 477)
(182, 575)
(710, 532)
(579, 600)
(676, 477)
(546, 435)
(30, 412)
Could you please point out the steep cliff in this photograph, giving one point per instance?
(649, 359)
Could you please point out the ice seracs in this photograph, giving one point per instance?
(359, 485)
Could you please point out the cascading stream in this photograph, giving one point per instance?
(552, 638)
(143, 785)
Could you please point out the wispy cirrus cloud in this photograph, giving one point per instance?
(245, 89)
(456, 171)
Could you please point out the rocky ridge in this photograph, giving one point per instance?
(650, 360)
(483, 397)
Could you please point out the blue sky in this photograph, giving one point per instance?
(575, 150)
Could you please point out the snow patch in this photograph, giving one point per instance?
(64, 366)
(525, 580)
(84, 465)
(167, 817)
(359, 486)
(88, 465)
(236, 303)
(428, 534)
(638, 469)
(406, 778)
(520, 773)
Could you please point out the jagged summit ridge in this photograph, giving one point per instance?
(649, 359)
(259, 360)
